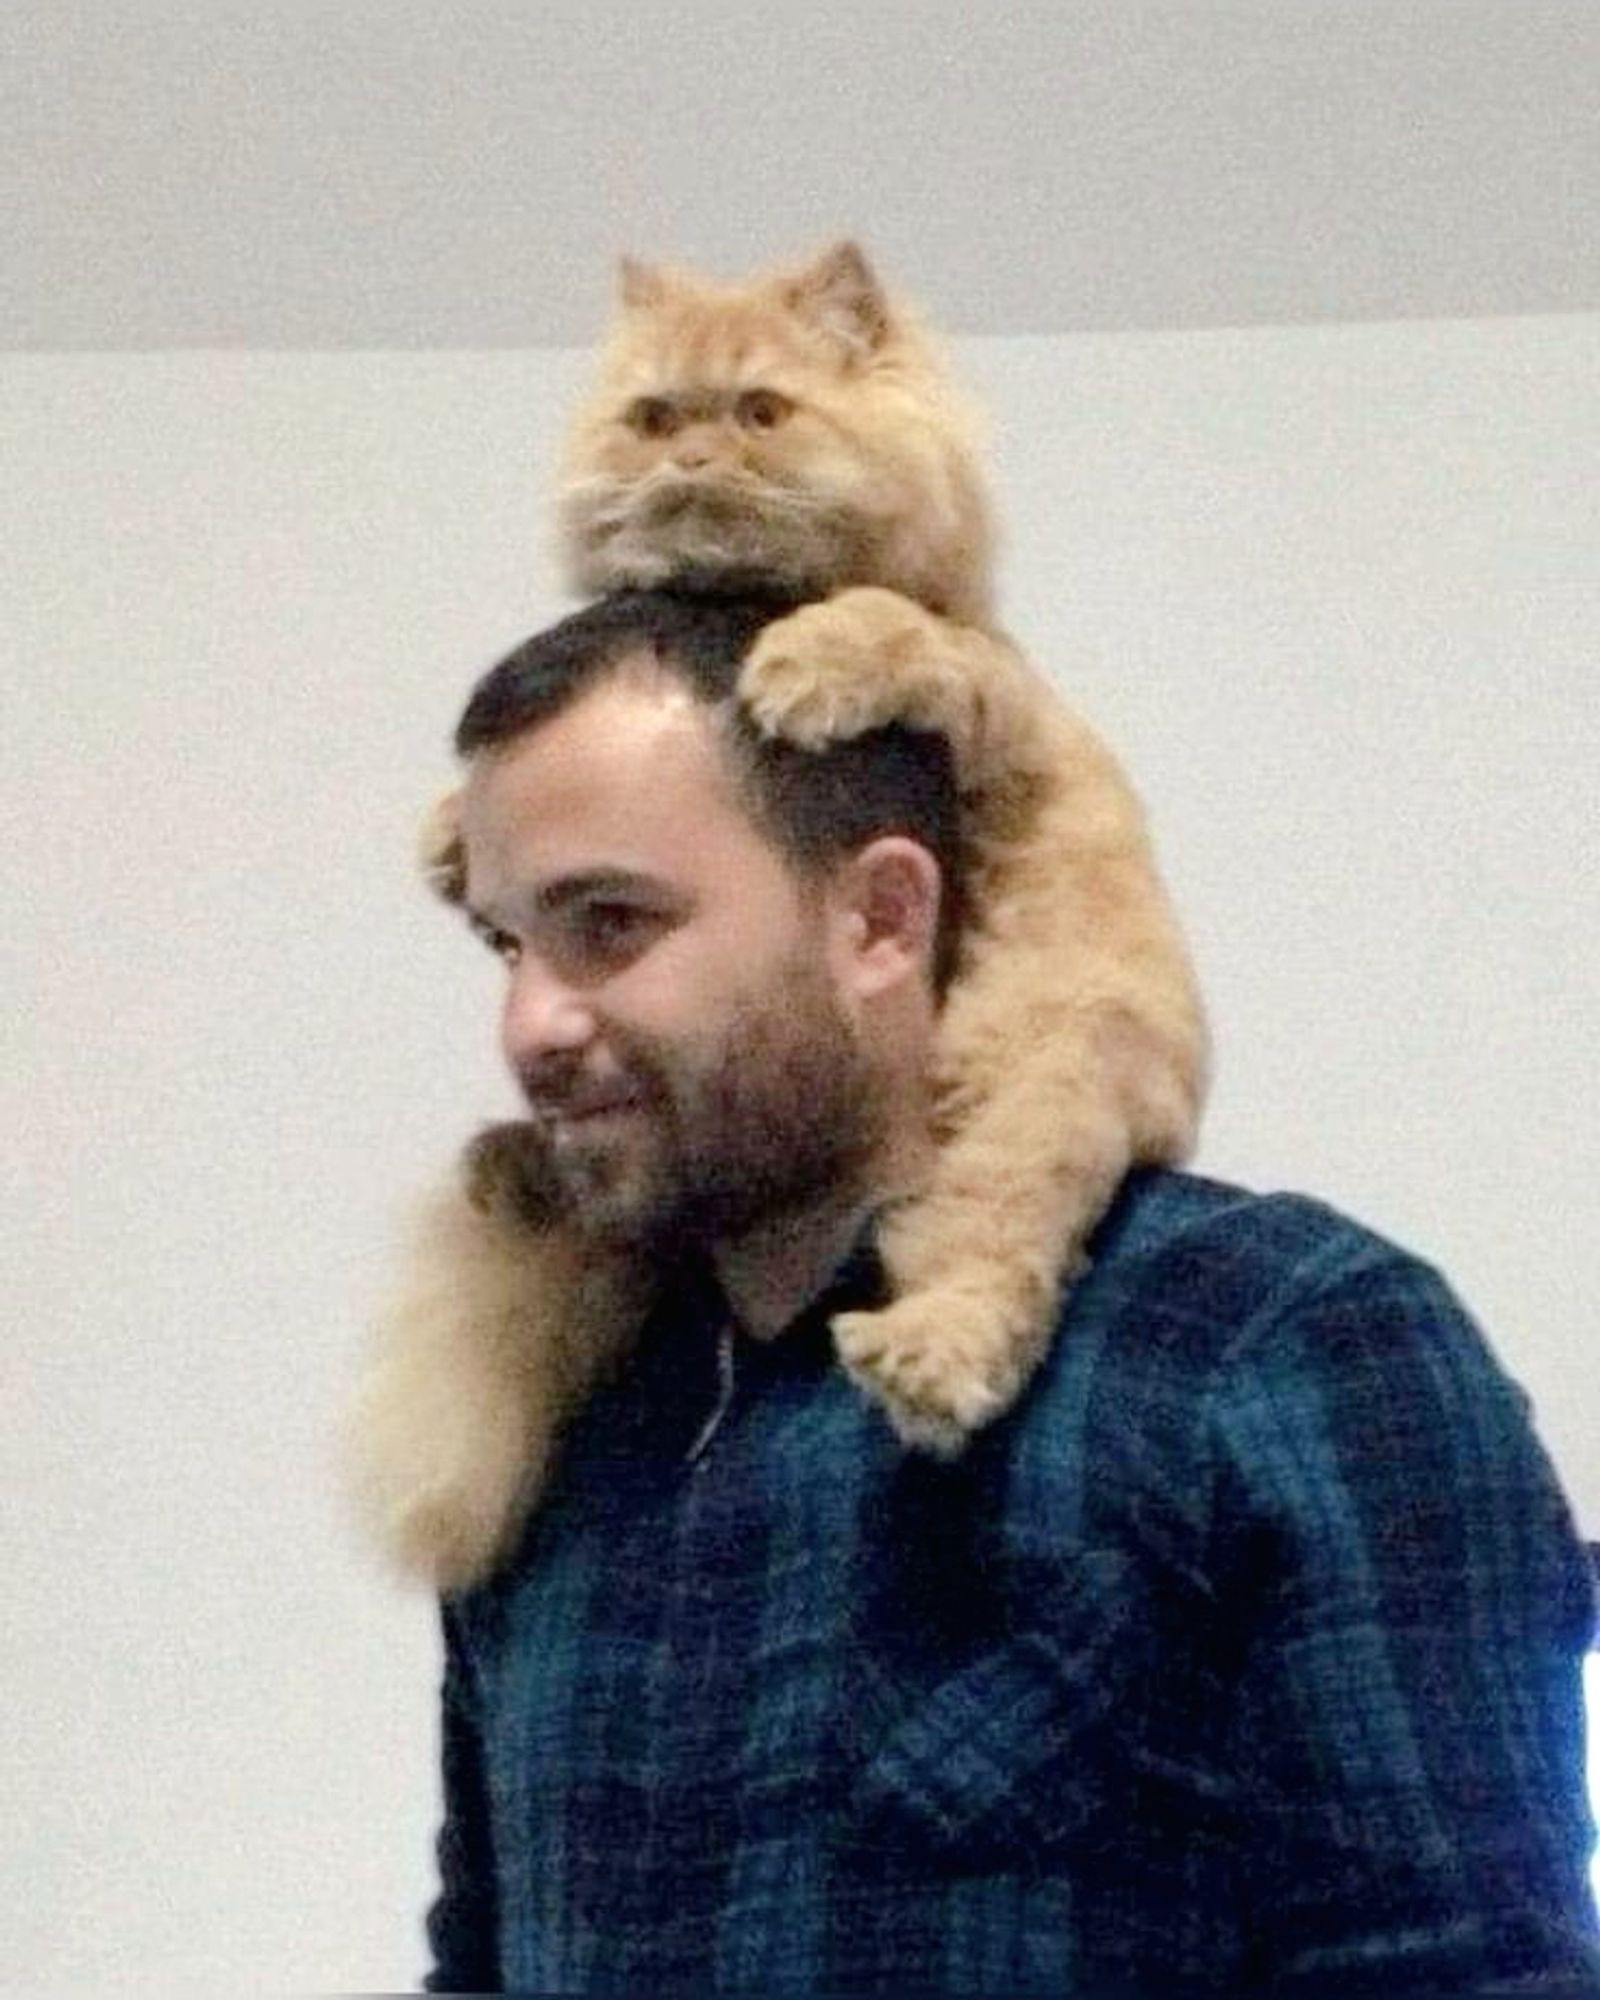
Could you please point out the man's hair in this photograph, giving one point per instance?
(816, 807)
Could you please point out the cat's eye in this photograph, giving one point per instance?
(652, 417)
(762, 409)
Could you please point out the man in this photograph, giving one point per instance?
(1242, 1656)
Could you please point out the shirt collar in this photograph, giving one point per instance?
(693, 1296)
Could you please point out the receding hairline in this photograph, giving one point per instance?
(700, 637)
(645, 667)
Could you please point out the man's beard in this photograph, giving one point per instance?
(782, 1111)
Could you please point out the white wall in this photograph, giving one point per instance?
(1333, 592)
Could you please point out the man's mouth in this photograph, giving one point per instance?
(586, 1110)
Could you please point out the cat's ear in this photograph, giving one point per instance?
(640, 285)
(840, 296)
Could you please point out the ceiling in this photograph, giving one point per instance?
(387, 173)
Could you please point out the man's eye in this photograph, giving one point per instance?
(762, 409)
(611, 927)
(651, 417)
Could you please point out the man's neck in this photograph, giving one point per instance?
(772, 1272)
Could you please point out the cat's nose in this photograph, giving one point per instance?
(695, 447)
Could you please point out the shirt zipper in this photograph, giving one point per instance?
(726, 1384)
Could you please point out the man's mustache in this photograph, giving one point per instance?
(556, 1087)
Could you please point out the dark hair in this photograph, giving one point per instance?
(815, 806)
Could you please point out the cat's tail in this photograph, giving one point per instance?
(497, 1333)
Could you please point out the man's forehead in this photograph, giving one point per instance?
(637, 722)
(630, 774)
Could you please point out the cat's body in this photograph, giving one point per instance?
(799, 430)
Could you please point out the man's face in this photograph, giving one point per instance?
(670, 1010)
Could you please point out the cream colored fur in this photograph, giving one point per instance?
(1072, 1043)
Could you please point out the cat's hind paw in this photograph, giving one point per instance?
(938, 1372)
(506, 1170)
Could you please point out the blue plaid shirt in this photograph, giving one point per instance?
(1242, 1657)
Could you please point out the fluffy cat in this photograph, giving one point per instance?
(800, 428)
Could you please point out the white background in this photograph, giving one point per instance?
(1331, 591)
(458, 173)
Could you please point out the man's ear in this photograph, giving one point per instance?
(885, 907)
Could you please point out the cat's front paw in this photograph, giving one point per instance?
(859, 661)
(941, 1369)
(441, 856)
(810, 678)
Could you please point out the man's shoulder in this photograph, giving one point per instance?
(1185, 1264)
(1272, 1332)
(1186, 1222)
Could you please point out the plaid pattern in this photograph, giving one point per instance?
(1243, 1657)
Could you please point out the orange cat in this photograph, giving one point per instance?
(799, 428)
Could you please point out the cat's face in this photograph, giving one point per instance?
(791, 429)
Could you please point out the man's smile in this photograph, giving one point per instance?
(595, 1107)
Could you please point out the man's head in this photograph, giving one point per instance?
(722, 952)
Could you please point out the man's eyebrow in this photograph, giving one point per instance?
(586, 885)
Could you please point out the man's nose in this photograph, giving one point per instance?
(542, 1017)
